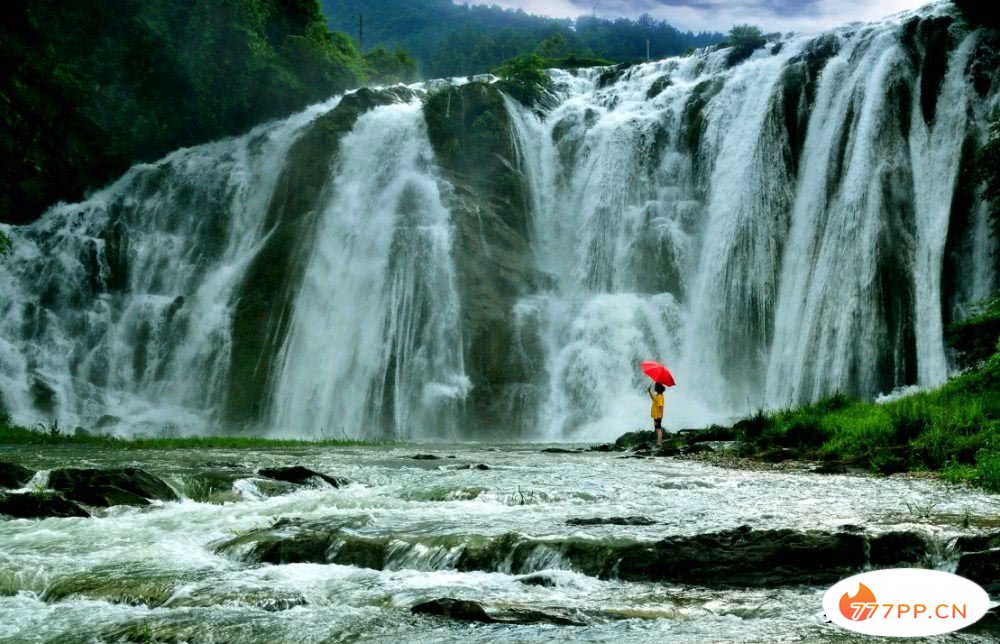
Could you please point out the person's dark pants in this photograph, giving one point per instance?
(658, 428)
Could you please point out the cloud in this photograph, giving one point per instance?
(720, 15)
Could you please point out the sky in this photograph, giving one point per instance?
(720, 15)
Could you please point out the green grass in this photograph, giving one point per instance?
(23, 436)
(954, 430)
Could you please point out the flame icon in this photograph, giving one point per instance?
(859, 607)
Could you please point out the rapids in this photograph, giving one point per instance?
(158, 572)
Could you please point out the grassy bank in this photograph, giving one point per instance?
(954, 430)
(18, 436)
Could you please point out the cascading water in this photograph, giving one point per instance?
(375, 335)
(776, 229)
(120, 307)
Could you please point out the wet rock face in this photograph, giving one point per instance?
(982, 567)
(298, 474)
(745, 557)
(740, 557)
(273, 279)
(28, 505)
(470, 131)
(896, 548)
(471, 611)
(460, 609)
(105, 488)
(13, 476)
(611, 521)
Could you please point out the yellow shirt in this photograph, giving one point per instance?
(656, 411)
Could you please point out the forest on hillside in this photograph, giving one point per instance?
(451, 39)
(90, 88)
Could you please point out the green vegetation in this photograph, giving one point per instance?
(90, 88)
(744, 41)
(524, 77)
(386, 67)
(954, 429)
(43, 436)
(5, 245)
(455, 39)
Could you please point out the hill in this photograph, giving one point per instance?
(90, 88)
(449, 39)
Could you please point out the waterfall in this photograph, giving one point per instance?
(116, 311)
(383, 255)
(776, 230)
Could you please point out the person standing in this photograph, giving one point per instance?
(656, 410)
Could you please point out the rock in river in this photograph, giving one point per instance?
(298, 474)
(104, 488)
(28, 505)
(13, 476)
(634, 520)
(470, 611)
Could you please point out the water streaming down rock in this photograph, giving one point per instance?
(446, 263)
(120, 307)
(375, 338)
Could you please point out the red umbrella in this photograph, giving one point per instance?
(658, 373)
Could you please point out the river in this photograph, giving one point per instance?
(160, 573)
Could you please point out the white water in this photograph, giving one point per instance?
(375, 334)
(158, 570)
(759, 280)
(154, 351)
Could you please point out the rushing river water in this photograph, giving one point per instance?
(157, 573)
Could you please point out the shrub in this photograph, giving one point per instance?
(744, 41)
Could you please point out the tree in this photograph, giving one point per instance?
(389, 68)
(744, 40)
(526, 69)
(555, 47)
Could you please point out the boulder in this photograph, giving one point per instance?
(426, 457)
(603, 447)
(537, 579)
(298, 474)
(897, 548)
(631, 520)
(833, 467)
(982, 567)
(667, 450)
(557, 450)
(975, 543)
(459, 609)
(697, 448)
(104, 488)
(745, 557)
(29, 505)
(471, 611)
(13, 476)
(634, 439)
